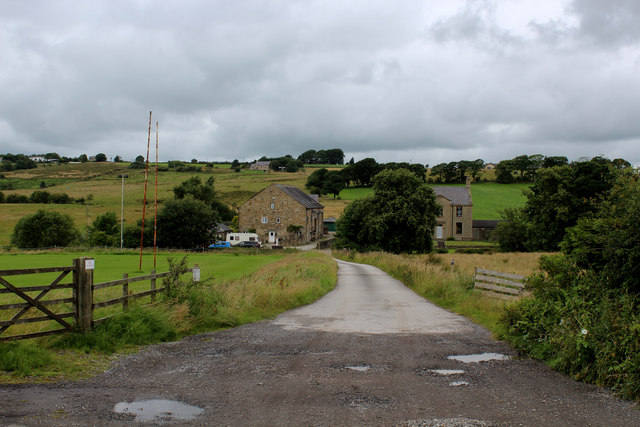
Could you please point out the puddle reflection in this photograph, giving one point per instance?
(158, 410)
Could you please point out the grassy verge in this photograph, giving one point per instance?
(291, 280)
(432, 277)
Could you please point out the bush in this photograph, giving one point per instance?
(44, 229)
(16, 198)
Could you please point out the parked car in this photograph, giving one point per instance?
(248, 244)
(219, 245)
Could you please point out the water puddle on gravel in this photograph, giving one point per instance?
(364, 368)
(158, 410)
(458, 383)
(446, 372)
(475, 358)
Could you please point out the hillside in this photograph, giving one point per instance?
(99, 185)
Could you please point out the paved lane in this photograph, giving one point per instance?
(367, 300)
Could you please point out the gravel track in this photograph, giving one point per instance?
(370, 353)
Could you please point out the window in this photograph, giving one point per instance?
(458, 228)
(458, 210)
(440, 212)
(278, 220)
(264, 220)
(273, 205)
(252, 239)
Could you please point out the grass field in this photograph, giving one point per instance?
(100, 182)
(217, 266)
(245, 287)
(489, 198)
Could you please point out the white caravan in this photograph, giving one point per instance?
(235, 238)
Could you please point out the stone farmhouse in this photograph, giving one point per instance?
(260, 166)
(456, 217)
(282, 215)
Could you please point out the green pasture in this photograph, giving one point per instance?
(489, 198)
(225, 265)
(220, 266)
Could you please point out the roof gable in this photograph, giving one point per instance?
(456, 195)
(300, 196)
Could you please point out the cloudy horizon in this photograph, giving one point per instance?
(420, 81)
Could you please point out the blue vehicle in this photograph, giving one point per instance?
(219, 245)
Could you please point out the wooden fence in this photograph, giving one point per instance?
(496, 283)
(82, 299)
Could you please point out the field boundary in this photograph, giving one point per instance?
(497, 283)
(82, 299)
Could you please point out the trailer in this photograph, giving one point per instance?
(235, 238)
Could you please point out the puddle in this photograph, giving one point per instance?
(364, 368)
(447, 371)
(458, 383)
(475, 358)
(158, 410)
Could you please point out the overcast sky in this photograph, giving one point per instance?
(423, 81)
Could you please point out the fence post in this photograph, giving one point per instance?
(196, 273)
(153, 286)
(83, 293)
(125, 292)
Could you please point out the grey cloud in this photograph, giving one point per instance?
(242, 79)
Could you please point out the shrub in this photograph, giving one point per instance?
(44, 229)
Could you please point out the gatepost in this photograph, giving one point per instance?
(83, 292)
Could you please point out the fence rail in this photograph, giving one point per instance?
(497, 283)
(126, 296)
(82, 298)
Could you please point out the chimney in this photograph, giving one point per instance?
(468, 182)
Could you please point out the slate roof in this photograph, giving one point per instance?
(486, 223)
(456, 195)
(222, 228)
(300, 196)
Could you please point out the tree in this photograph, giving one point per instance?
(308, 157)
(235, 164)
(363, 171)
(105, 230)
(448, 172)
(101, 157)
(399, 217)
(552, 161)
(117, 159)
(44, 229)
(511, 233)
(334, 183)
(83, 158)
(186, 223)
(316, 181)
(205, 192)
(504, 172)
(607, 241)
(334, 156)
(558, 197)
(197, 189)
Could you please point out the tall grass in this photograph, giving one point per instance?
(433, 277)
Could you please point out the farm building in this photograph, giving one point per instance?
(456, 217)
(282, 215)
